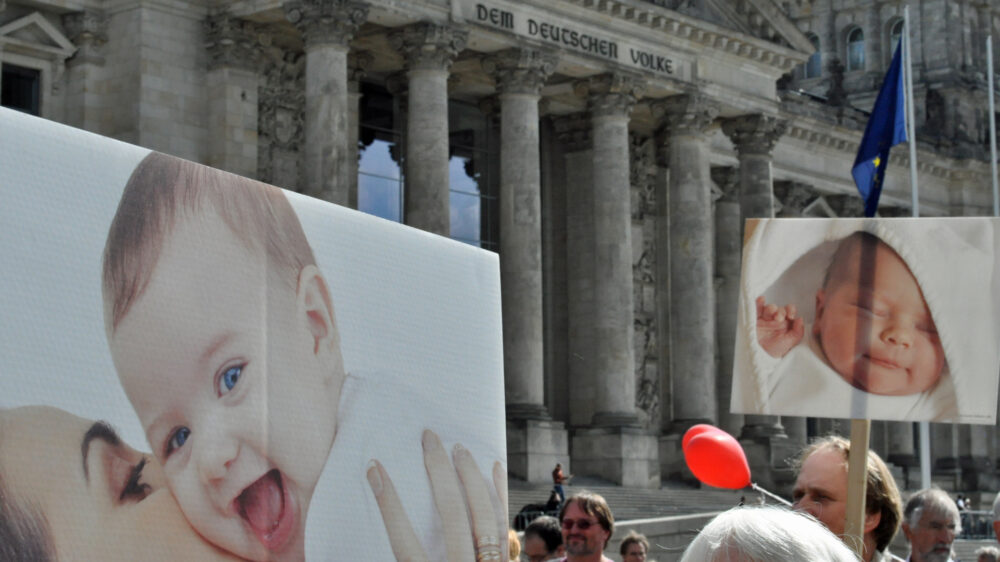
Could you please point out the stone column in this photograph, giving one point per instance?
(614, 448)
(691, 304)
(232, 82)
(520, 74)
(327, 27)
(974, 459)
(754, 137)
(611, 98)
(728, 249)
(944, 454)
(357, 64)
(574, 135)
(88, 31)
(429, 50)
(534, 443)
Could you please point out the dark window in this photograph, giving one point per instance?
(856, 49)
(21, 88)
(814, 66)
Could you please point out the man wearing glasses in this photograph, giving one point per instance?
(587, 525)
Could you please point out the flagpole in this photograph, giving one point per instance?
(923, 428)
(911, 124)
(993, 126)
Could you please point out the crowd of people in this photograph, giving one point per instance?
(814, 529)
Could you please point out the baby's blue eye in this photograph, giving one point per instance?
(177, 439)
(229, 378)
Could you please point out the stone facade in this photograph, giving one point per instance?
(613, 149)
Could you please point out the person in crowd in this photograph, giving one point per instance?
(587, 525)
(634, 547)
(821, 491)
(766, 534)
(543, 540)
(931, 523)
(513, 545)
(987, 554)
(558, 479)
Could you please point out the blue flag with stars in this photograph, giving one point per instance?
(886, 128)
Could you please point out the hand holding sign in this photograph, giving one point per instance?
(715, 457)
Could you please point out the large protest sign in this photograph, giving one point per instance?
(274, 359)
(893, 319)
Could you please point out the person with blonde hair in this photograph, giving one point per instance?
(766, 534)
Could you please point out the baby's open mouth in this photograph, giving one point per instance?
(264, 505)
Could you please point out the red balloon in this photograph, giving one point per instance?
(696, 430)
(717, 459)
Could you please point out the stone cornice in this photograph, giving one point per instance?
(704, 33)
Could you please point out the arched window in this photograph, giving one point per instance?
(856, 49)
(814, 66)
(895, 32)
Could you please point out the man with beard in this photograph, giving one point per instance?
(587, 525)
(930, 523)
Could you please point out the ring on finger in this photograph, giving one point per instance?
(489, 553)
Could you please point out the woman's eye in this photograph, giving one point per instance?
(177, 440)
(228, 379)
(134, 489)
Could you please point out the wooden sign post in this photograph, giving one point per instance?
(857, 480)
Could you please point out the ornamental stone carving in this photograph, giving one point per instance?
(232, 42)
(754, 134)
(686, 114)
(326, 22)
(520, 71)
(794, 197)
(846, 205)
(281, 110)
(610, 94)
(87, 30)
(727, 181)
(429, 46)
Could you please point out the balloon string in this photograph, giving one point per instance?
(769, 494)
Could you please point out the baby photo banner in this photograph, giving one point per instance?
(199, 366)
(885, 319)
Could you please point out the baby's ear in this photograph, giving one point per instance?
(316, 308)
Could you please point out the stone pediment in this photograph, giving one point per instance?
(763, 19)
(36, 36)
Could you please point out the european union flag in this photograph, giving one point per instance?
(886, 128)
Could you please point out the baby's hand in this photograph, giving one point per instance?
(779, 328)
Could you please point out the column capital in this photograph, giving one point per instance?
(727, 180)
(794, 196)
(574, 131)
(88, 30)
(520, 71)
(686, 113)
(326, 22)
(429, 46)
(233, 42)
(611, 94)
(755, 134)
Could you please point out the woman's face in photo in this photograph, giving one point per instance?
(101, 499)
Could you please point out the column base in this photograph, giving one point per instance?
(534, 447)
(527, 412)
(762, 427)
(624, 455)
(615, 419)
